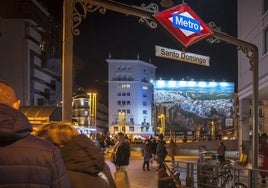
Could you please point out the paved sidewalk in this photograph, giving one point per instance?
(137, 177)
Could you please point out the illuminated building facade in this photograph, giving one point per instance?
(130, 96)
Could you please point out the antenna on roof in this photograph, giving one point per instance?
(138, 56)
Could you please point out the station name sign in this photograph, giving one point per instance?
(184, 24)
(181, 56)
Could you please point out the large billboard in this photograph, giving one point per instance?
(194, 105)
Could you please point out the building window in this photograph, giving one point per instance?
(131, 121)
(128, 102)
(266, 40)
(144, 103)
(128, 93)
(119, 94)
(124, 94)
(144, 112)
(265, 5)
(118, 102)
(128, 111)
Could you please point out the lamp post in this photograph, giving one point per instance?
(93, 109)
(162, 124)
(122, 121)
(213, 129)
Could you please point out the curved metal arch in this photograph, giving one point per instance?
(82, 7)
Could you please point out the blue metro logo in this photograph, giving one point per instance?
(186, 23)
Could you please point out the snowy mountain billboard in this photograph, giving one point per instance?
(192, 105)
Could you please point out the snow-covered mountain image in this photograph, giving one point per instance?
(188, 104)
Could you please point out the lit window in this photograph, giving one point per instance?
(145, 87)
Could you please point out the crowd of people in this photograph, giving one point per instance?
(56, 155)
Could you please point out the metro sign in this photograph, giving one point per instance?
(184, 24)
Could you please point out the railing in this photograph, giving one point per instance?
(210, 173)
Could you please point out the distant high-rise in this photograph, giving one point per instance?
(30, 52)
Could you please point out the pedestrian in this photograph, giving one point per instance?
(161, 151)
(264, 152)
(122, 156)
(25, 160)
(113, 154)
(172, 146)
(153, 148)
(221, 152)
(84, 161)
(147, 155)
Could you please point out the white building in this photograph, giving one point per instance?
(253, 28)
(130, 96)
(30, 52)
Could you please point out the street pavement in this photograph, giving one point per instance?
(137, 177)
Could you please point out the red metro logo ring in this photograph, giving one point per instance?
(184, 24)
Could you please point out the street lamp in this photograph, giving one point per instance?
(162, 124)
(93, 109)
(213, 130)
(122, 121)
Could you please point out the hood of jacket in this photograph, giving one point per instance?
(82, 155)
(14, 125)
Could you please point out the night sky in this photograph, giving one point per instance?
(124, 37)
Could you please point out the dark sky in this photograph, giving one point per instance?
(124, 37)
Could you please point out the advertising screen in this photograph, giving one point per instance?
(194, 105)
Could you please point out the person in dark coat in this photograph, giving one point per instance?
(147, 155)
(264, 151)
(25, 160)
(161, 151)
(122, 156)
(153, 148)
(122, 153)
(221, 152)
(84, 161)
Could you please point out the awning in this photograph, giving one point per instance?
(38, 115)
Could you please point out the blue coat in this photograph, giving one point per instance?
(26, 160)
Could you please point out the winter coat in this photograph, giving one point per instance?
(264, 152)
(26, 160)
(221, 150)
(161, 150)
(122, 154)
(146, 151)
(85, 164)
